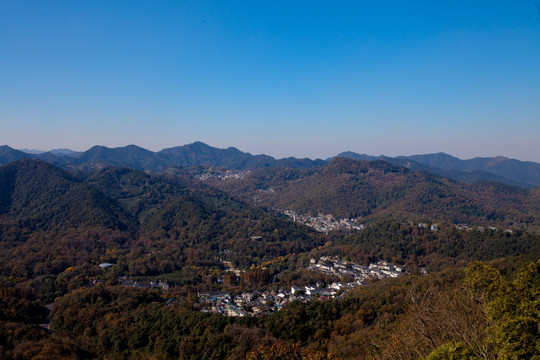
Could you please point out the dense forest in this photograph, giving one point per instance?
(481, 312)
(470, 292)
(349, 188)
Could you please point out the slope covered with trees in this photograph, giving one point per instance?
(50, 221)
(56, 228)
(349, 188)
(39, 196)
(482, 312)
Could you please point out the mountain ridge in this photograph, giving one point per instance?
(497, 169)
(348, 188)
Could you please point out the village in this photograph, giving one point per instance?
(265, 302)
(222, 174)
(324, 223)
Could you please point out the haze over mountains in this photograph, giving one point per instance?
(496, 169)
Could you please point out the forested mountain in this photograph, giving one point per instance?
(123, 213)
(38, 196)
(50, 221)
(498, 169)
(170, 222)
(138, 158)
(129, 156)
(139, 193)
(56, 227)
(8, 155)
(349, 188)
(184, 223)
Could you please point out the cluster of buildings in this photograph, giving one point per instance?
(124, 281)
(435, 227)
(260, 303)
(432, 227)
(479, 228)
(246, 304)
(324, 223)
(360, 273)
(222, 174)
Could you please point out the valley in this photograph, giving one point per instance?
(216, 263)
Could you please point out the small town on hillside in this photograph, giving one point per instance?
(259, 303)
(221, 174)
(324, 223)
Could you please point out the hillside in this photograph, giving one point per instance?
(55, 230)
(182, 223)
(49, 221)
(151, 224)
(139, 193)
(500, 169)
(39, 196)
(349, 188)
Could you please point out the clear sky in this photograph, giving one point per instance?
(284, 78)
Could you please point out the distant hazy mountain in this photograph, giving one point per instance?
(131, 156)
(8, 155)
(53, 151)
(135, 157)
(525, 172)
(498, 169)
(199, 153)
(32, 151)
(64, 152)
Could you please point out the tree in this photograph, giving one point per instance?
(452, 351)
(516, 315)
(283, 350)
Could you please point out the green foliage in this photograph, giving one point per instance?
(452, 352)
(403, 243)
(515, 312)
(122, 322)
(39, 196)
(484, 281)
(512, 307)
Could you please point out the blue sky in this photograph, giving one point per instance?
(284, 78)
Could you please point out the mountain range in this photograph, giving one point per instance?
(59, 228)
(348, 188)
(46, 213)
(491, 169)
(161, 223)
(498, 169)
